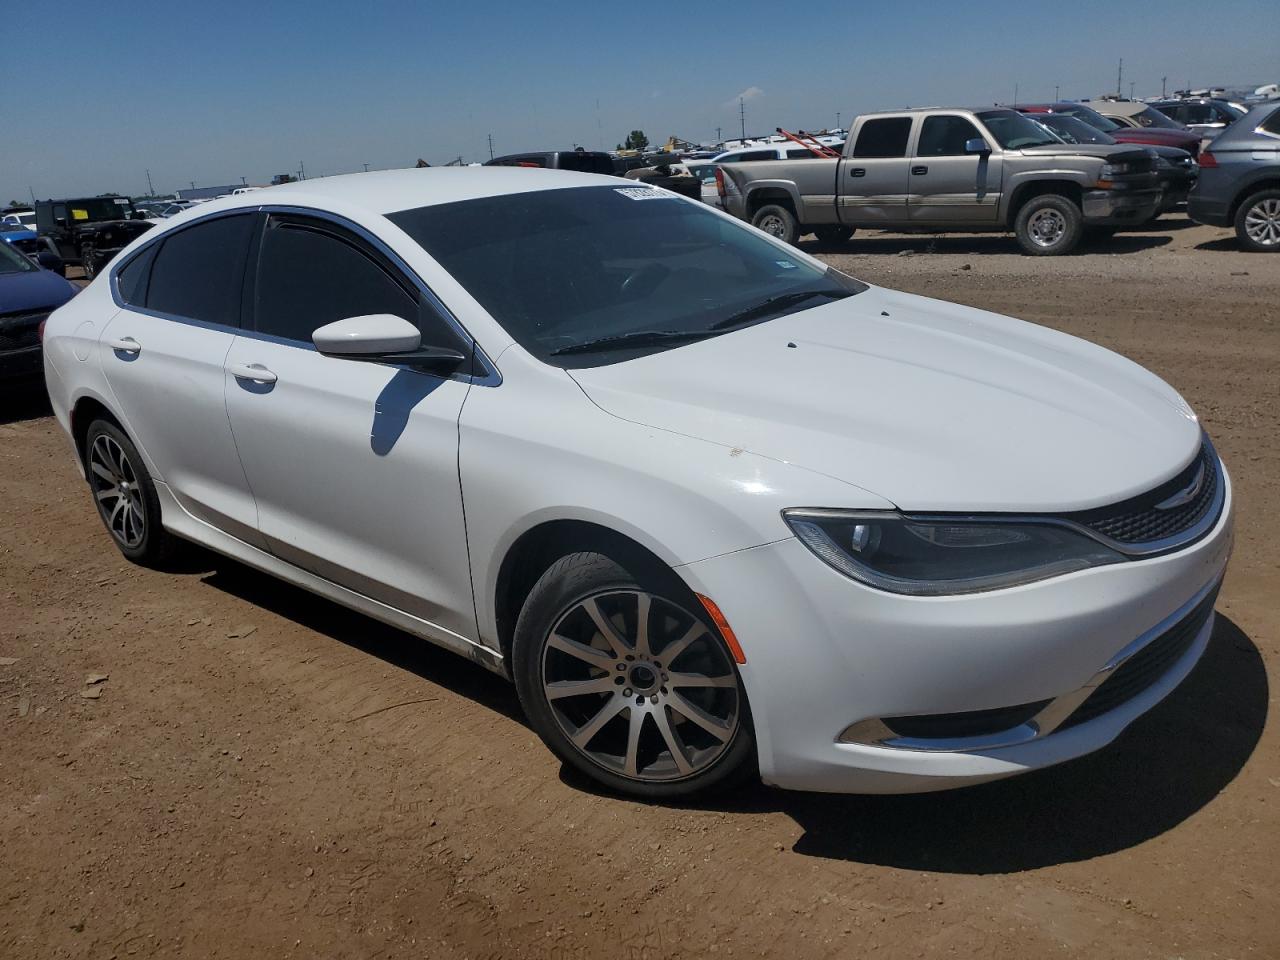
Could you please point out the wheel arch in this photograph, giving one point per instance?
(767, 194)
(1267, 181)
(1031, 189)
(84, 411)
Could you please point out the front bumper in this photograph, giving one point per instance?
(1117, 207)
(825, 654)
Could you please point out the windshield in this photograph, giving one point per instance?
(583, 276)
(1090, 116)
(99, 208)
(1073, 130)
(11, 261)
(1148, 117)
(1013, 131)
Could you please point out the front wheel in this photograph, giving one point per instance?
(777, 221)
(1048, 226)
(833, 234)
(1258, 222)
(626, 681)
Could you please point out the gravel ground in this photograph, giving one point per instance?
(262, 773)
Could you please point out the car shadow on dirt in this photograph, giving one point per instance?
(395, 647)
(977, 245)
(24, 400)
(1168, 765)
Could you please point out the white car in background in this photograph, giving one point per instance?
(712, 505)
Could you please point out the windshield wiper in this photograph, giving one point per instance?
(773, 305)
(636, 338)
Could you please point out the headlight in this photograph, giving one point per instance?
(930, 557)
(1110, 170)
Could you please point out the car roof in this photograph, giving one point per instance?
(921, 110)
(387, 191)
(1123, 108)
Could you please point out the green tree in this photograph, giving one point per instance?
(636, 140)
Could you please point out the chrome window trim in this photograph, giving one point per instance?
(489, 377)
(874, 732)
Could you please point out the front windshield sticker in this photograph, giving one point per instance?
(645, 193)
(785, 264)
(79, 214)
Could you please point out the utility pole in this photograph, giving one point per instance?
(491, 135)
(719, 139)
(1163, 83)
(1131, 84)
(302, 170)
(838, 127)
(244, 182)
(366, 167)
(193, 184)
(1015, 93)
(33, 195)
(742, 116)
(1120, 79)
(1055, 93)
(151, 191)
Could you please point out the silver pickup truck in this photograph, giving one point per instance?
(950, 170)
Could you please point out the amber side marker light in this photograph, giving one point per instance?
(722, 625)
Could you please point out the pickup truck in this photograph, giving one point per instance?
(949, 170)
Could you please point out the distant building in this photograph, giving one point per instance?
(204, 193)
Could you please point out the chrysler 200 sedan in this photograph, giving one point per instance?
(713, 506)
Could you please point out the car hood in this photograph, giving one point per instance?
(1164, 137)
(1105, 151)
(927, 404)
(33, 290)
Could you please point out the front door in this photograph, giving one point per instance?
(871, 183)
(947, 182)
(163, 356)
(354, 465)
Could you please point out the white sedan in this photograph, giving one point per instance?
(712, 505)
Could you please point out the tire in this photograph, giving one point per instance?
(560, 639)
(833, 234)
(777, 221)
(1048, 226)
(89, 262)
(1258, 222)
(125, 496)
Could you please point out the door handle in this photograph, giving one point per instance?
(858, 172)
(919, 171)
(251, 371)
(125, 345)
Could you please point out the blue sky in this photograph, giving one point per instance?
(93, 94)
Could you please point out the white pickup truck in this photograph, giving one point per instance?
(950, 170)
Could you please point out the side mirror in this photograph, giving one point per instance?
(51, 261)
(976, 145)
(383, 338)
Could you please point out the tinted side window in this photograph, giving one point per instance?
(310, 274)
(1272, 124)
(133, 279)
(945, 136)
(883, 138)
(199, 270)
(757, 155)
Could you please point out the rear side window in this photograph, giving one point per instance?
(1271, 125)
(132, 281)
(311, 273)
(886, 137)
(199, 270)
(945, 136)
(758, 155)
(587, 162)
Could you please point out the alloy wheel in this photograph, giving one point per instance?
(1262, 222)
(116, 489)
(640, 686)
(1046, 227)
(773, 226)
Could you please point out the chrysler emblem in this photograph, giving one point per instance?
(1185, 495)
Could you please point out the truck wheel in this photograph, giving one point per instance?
(1048, 225)
(833, 234)
(89, 262)
(1258, 222)
(777, 221)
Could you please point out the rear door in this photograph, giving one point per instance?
(872, 179)
(163, 355)
(354, 464)
(947, 182)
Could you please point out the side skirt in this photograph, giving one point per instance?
(179, 522)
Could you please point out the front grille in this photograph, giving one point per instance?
(20, 331)
(1141, 519)
(1146, 666)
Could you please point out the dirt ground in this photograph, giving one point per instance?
(264, 774)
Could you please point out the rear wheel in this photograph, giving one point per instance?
(833, 233)
(1258, 222)
(777, 221)
(1048, 226)
(625, 680)
(89, 262)
(125, 495)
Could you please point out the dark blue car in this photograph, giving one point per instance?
(28, 294)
